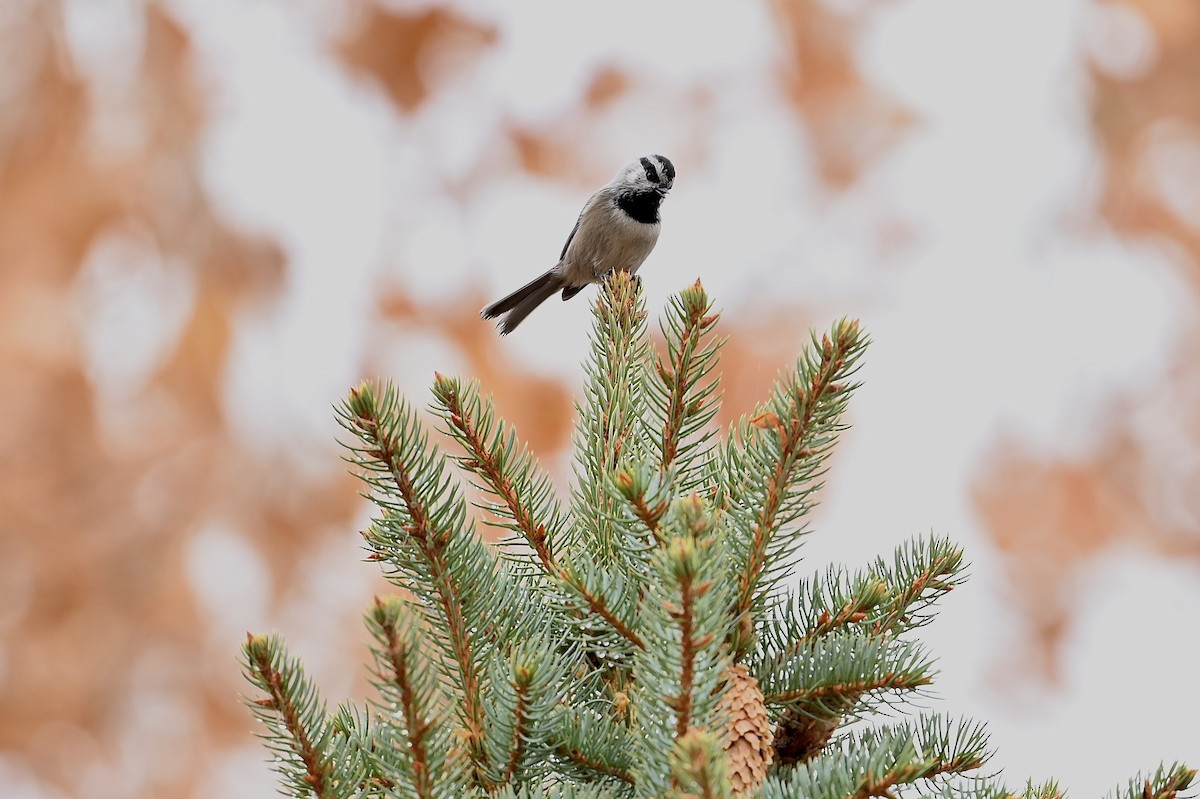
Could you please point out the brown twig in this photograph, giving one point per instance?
(695, 326)
(685, 614)
(649, 516)
(911, 593)
(883, 784)
(792, 432)
(520, 720)
(484, 463)
(826, 624)
(316, 769)
(580, 758)
(417, 728)
(432, 545)
(849, 691)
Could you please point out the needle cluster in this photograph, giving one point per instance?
(649, 635)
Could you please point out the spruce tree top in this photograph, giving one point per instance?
(645, 636)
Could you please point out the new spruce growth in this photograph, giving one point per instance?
(646, 636)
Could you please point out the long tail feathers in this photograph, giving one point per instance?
(521, 302)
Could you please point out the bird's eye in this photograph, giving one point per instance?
(651, 172)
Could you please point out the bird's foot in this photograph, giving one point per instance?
(637, 279)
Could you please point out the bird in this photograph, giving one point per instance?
(615, 231)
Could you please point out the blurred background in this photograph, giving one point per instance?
(217, 215)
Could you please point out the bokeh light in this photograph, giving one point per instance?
(216, 216)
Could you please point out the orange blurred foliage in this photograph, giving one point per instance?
(99, 501)
(1048, 516)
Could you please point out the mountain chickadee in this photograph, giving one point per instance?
(616, 229)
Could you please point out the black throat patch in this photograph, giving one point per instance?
(641, 206)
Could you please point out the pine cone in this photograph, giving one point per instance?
(748, 736)
(799, 737)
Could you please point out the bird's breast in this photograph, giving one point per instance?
(607, 240)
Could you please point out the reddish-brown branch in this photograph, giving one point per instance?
(910, 594)
(432, 544)
(316, 770)
(687, 656)
(826, 624)
(680, 365)
(595, 765)
(792, 432)
(520, 730)
(849, 691)
(649, 516)
(599, 606)
(417, 727)
(1175, 783)
(486, 465)
(882, 785)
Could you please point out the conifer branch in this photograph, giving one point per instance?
(792, 430)
(526, 689)
(834, 675)
(685, 610)
(506, 470)
(845, 694)
(407, 685)
(520, 727)
(958, 746)
(600, 606)
(363, 739)
(922, 572)
(562, 791)
(885, 599)
(698, 768)
(882, 784)
(293, 715)
(589, 763)
(976, 787)
(683, 405)
(852, 612)
(902, 774)
(418, 729)
(789, 640)
(648, 516)
(421, 535)
(509, 475)
(874, 761)
(1167, 782)
(770, 477)
(1047, 790)
(648, 492)
(685, 616)
(642, 645)
(594, 743)
(614, 395)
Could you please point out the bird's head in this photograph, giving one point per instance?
(649, 173)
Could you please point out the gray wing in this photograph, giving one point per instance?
(606, 239)
(574, 230)
(583, 213)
